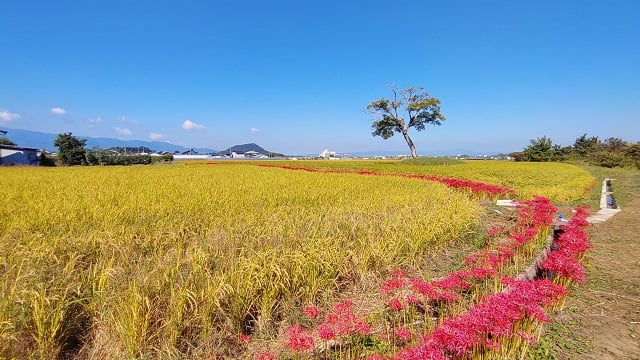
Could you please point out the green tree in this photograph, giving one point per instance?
(71, 150)
(615, 144)
(540, 149)
(44, 160)
(420, 108)
(584, 146)
(633, 153)
(6, 141)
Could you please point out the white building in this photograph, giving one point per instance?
(16, 155)
(326, 154)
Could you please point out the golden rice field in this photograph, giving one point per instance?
(173, 261)
(557, 181)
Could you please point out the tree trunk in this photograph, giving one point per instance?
(412, 147)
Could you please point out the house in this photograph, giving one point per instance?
(17, 155)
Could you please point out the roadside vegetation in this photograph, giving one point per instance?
(609, 153)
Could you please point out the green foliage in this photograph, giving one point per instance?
(117, 156)
(540, 149)
(99, 157)
(44, 160)
(612, 152)
(6, 141)
(71, 150)
(421, 109)
(164, 158)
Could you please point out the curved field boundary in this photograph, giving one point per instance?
(475, 187)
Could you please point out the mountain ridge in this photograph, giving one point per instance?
(43, 140)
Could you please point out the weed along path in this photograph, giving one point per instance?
(601, 319)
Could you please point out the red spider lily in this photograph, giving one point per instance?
(403, 333)
(311, 312)
(483, 273)
(395, 304)
(363, 328)
(429, 350)
(537, 212)
(495, 316)
(412, 299)
(424, 288)
(455, 280)
(495, 231)
(574, 241)
(298, 341)
(564, 264)
(326, 333)
(344, 307)
(343, 321)
(519, 239)
(469, 185)
(392, 285)
(430, 291)
(571, 244)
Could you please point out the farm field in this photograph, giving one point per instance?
(216, 259)
(556, 181)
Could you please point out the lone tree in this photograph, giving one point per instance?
(71, 150)
(419, 106)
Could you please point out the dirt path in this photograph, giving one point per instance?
(601, 319)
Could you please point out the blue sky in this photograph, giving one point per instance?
(296, 76)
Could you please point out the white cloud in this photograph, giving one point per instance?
(254, 130)
(58, 111)
(190, 125)
(156, 136)
(123, 131)
(7, 116)
(94, 122)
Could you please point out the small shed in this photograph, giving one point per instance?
(17, 155)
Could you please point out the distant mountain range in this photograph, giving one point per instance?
(40, 140)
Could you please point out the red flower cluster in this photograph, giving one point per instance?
(311, 311)
(493, 318)
(534, 217)
(342, 321)
(537, 212)
(569, 248)
(298, 340)
(475, 187)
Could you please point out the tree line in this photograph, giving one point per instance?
(71, 151)
(610, 152)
